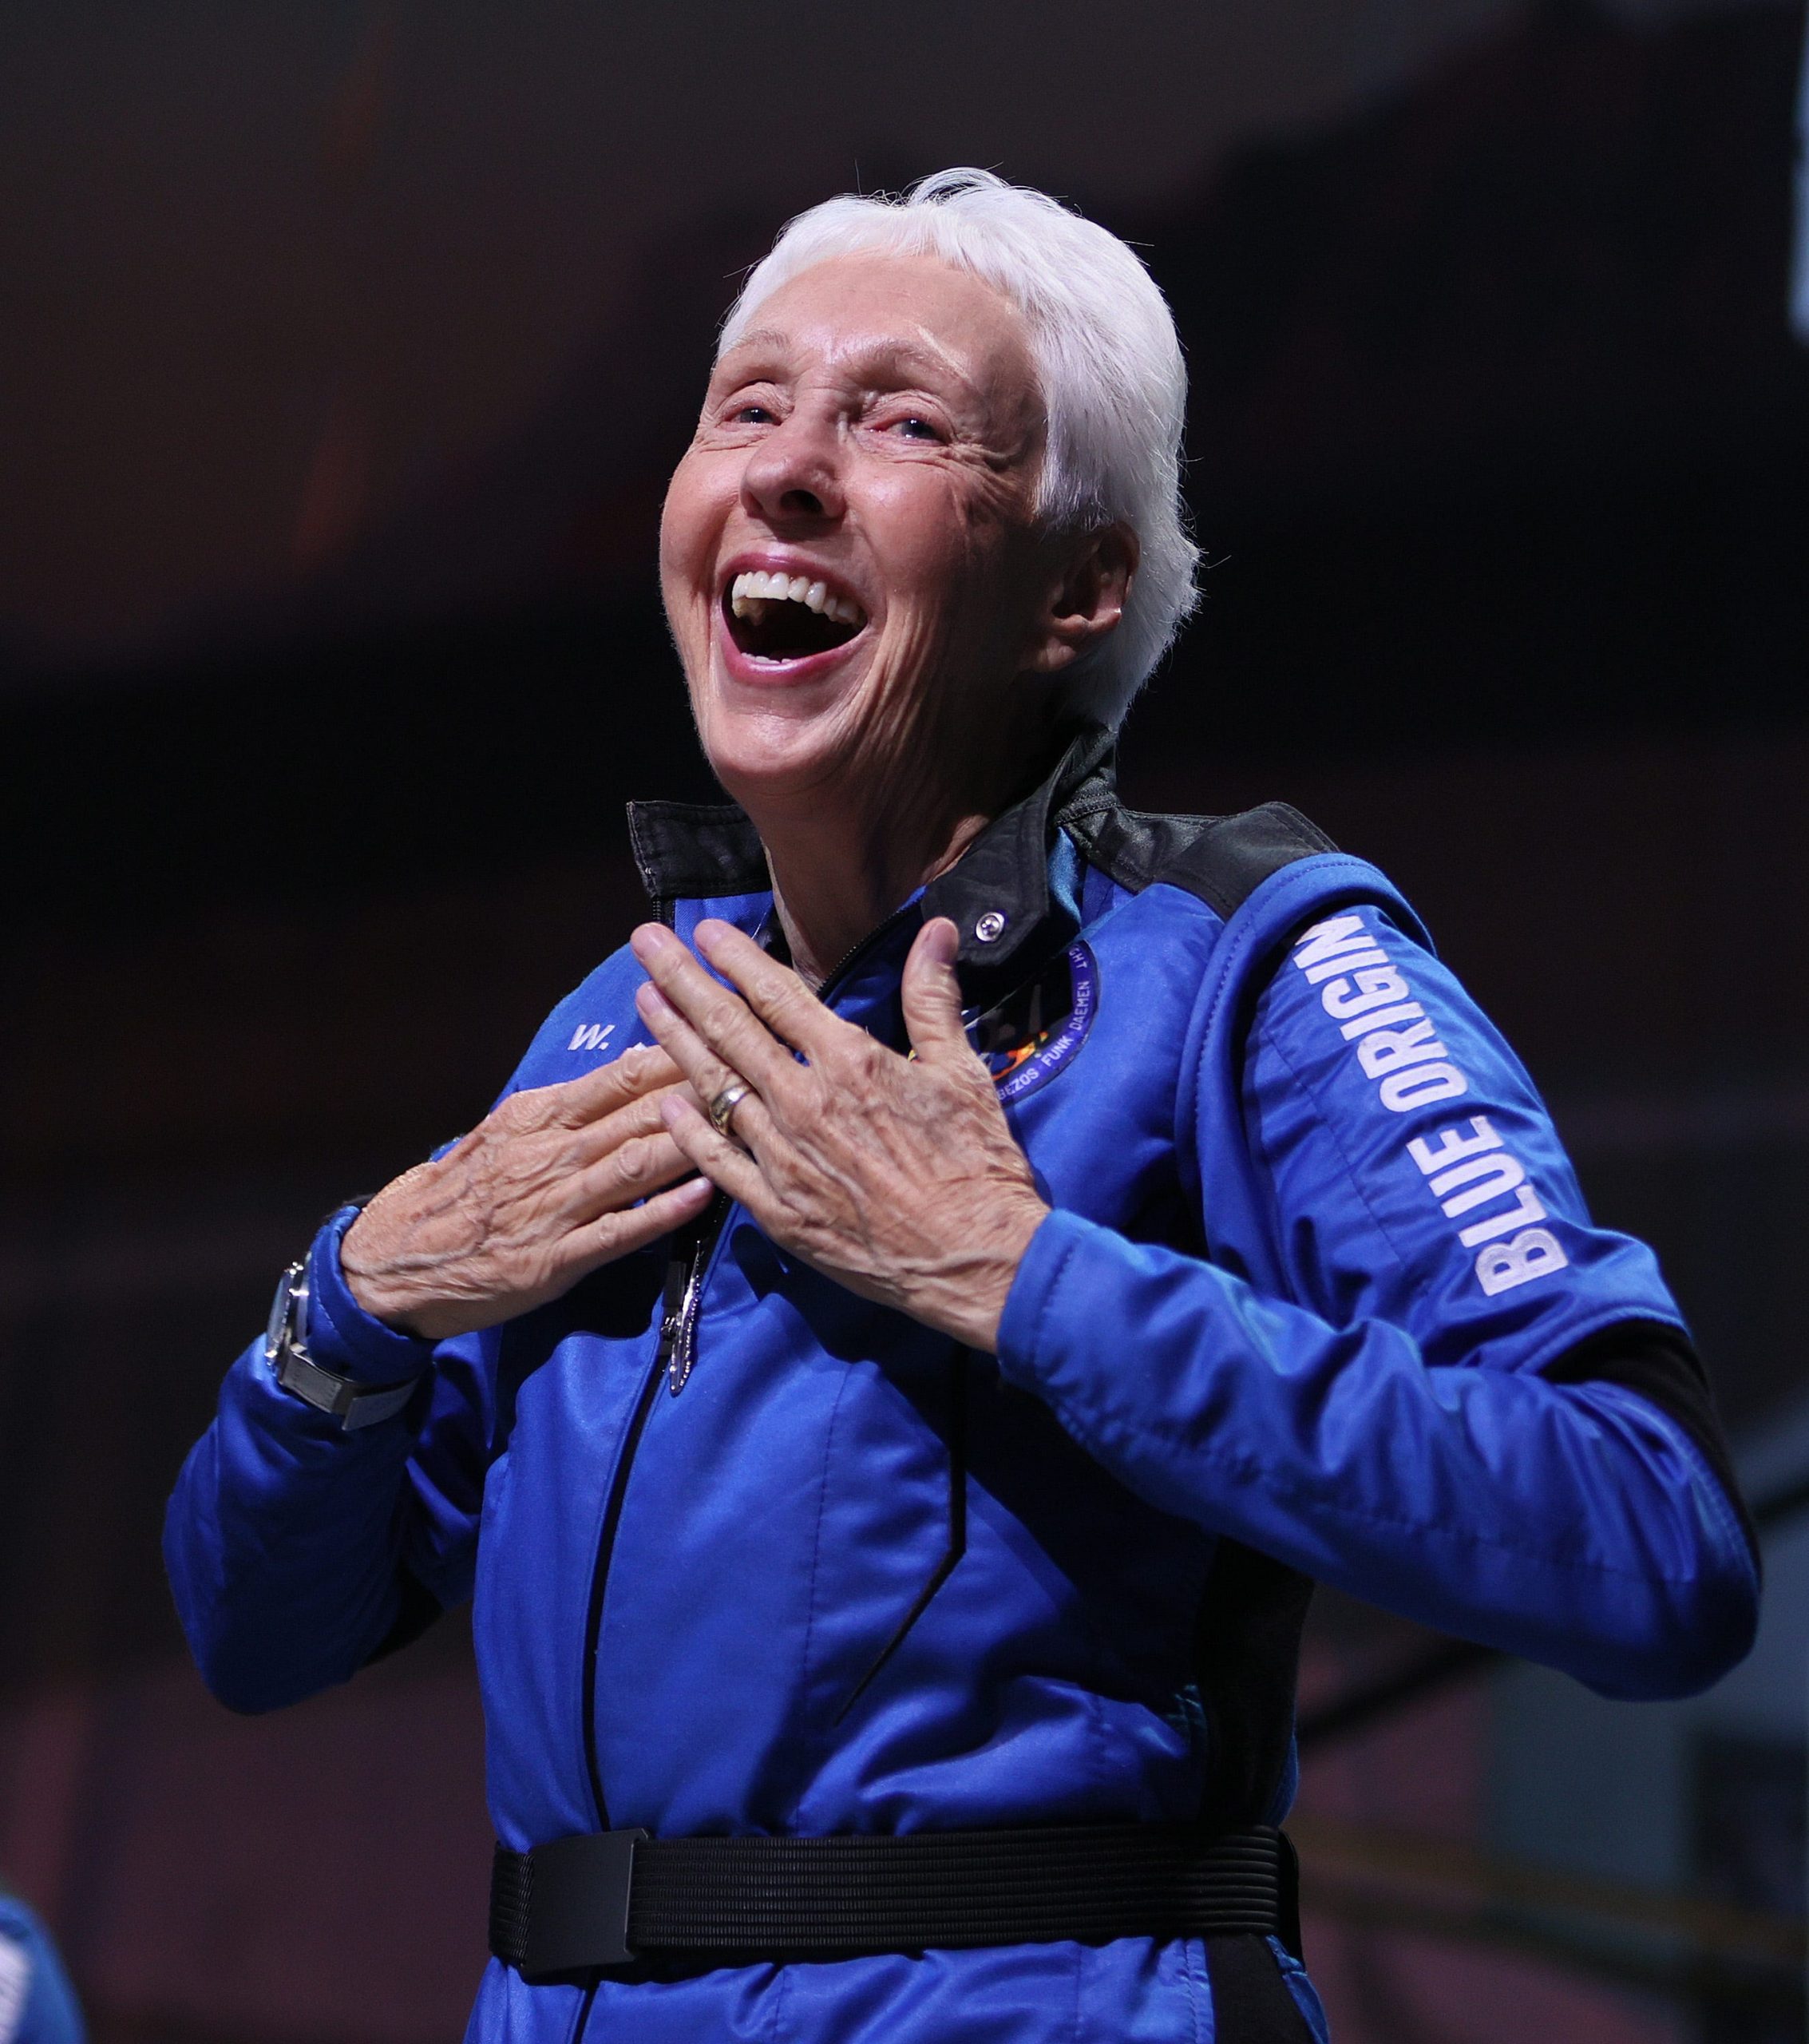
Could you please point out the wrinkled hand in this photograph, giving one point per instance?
(540, 1192)
(899, 1178)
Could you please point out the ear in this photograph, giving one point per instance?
(1085, 600)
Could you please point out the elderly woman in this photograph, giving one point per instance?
(920, 1315)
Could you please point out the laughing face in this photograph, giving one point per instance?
(851, 562)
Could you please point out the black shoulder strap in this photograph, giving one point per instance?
(1221, 860)
(1246, 1660)
(1251, 2003)
(1248, 1631)
(1232, 855)
(1660, 1363)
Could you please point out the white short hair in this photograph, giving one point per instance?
(1113, 382)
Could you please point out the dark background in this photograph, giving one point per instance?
(343, 352)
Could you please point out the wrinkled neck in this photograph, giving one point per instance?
(864, 835)
(837, 877)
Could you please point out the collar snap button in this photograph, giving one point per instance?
(990, 928)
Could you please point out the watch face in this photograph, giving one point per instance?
(279, 1324)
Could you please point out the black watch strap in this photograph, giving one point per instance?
(343, 1398)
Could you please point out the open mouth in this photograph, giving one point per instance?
(788, 617)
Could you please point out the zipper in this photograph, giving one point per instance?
(876, 934)
(685, 1277)
(684, 1284)
(600, 1573)
(674, 1360)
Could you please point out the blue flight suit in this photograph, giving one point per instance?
(37, 2005)
(1319, 1299)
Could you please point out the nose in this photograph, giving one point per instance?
(794, 476)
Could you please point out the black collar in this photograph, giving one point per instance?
(996, 893)
(690, 851)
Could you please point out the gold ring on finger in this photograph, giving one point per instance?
(722, 1106)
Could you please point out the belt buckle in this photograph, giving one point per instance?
(578, 1904)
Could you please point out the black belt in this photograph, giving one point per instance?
(582, 1903)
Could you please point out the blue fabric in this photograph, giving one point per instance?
(37, 2005)
(1314, 1237)
(342, 1337)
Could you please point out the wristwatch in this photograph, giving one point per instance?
(342, 1398)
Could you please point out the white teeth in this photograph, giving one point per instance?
(752, 590)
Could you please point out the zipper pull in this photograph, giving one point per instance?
(684, 1288)
(678, 1271)
(682, 1355)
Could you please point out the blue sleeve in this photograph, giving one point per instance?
(1361, 1394)
(295, 1549)
(37, 2005)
